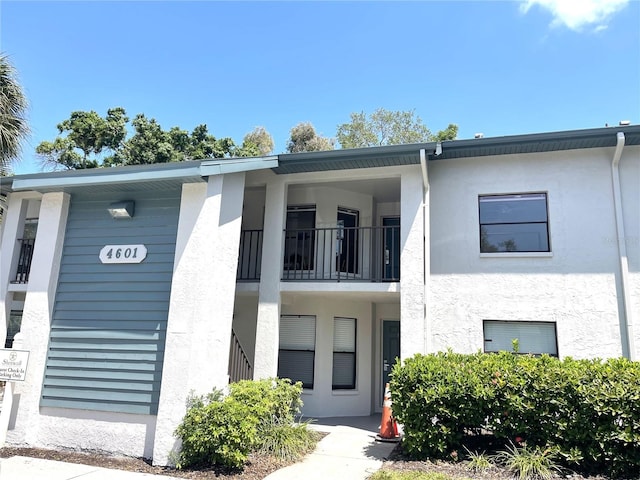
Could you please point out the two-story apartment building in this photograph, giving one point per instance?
(132, 287)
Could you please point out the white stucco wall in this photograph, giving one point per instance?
(202, 299)
(574, 286)
(322, 401)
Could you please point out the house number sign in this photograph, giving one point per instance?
(123, 253)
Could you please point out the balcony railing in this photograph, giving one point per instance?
(24, 260)
(369, 254)
(250, 256)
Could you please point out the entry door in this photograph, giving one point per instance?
(391, 246)
(390, 348)
(347, 241)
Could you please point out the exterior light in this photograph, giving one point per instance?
(123, 209)
(624, 123)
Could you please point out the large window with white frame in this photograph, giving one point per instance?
(529, 337)
(296, 355)
(344, 354)
(514, 223)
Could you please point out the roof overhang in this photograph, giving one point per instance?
(158, 175)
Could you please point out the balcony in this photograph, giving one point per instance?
(24, 260)
(366, 254)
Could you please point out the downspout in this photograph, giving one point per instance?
(627, 320)
(426, 250)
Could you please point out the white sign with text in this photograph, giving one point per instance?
(123, 253)
(13, 364)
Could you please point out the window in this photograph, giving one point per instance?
(533, 337)
(13, 327)
(344, 354)
(514, 223)
(299, 245)
(296, 355)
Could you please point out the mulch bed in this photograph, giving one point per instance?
(258, 466)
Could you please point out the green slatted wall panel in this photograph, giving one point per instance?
(109, 323)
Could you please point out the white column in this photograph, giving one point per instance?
(412, 265)
(13, 225)
(202, 297)
(38, 309)
(268, 322)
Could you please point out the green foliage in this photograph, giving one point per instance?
(529, 463)
(14, 128)
(303, 138)
(478, 461)
(589, 410)
(88, 140)
(257, 143)
(386, 127)
(256, 415)
(285, 440)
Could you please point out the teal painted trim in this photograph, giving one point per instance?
(220, 167)
(124, 407)
(102, 176)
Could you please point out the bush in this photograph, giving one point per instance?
(218, 430)
(588, 409)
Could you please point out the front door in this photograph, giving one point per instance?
(390, 348)
(391, 227)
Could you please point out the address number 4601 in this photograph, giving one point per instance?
(123, 253)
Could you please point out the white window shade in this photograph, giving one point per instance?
(296, 356)
(344, 353)
(344, 334)
(298, 332)
(533, 337)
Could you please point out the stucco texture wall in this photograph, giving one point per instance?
(576, 285)
(322, 400)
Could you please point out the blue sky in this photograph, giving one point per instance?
(500, 68)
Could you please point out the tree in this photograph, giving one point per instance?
(89, 133)
(386, 127)
(449, 133)
(304, 138)
(88, 140)
(256, 143)
(14, 128)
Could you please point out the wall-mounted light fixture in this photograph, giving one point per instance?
(123, 209)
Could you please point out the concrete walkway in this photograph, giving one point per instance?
(27, 468)
(349, 451)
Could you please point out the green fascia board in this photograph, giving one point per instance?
(475, 147)
(189, 171)
(235, 165)
(104, 176)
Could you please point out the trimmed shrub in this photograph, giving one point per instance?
(219, 430)
(589, 410)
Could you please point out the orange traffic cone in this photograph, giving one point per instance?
(388, 425)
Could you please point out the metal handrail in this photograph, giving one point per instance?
(24, 260)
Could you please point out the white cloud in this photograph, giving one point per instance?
(578, 14)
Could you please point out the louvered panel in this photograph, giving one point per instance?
(109, 323)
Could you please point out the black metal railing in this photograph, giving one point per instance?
(342, 254)
(24, 260)
(239, 365)
(250, 256)
(336, 254)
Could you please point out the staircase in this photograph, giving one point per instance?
(239, 365)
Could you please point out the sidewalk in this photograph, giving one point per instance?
(27, 468)
(348, 451)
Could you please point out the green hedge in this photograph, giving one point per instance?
(588, 409)
(223, 430)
